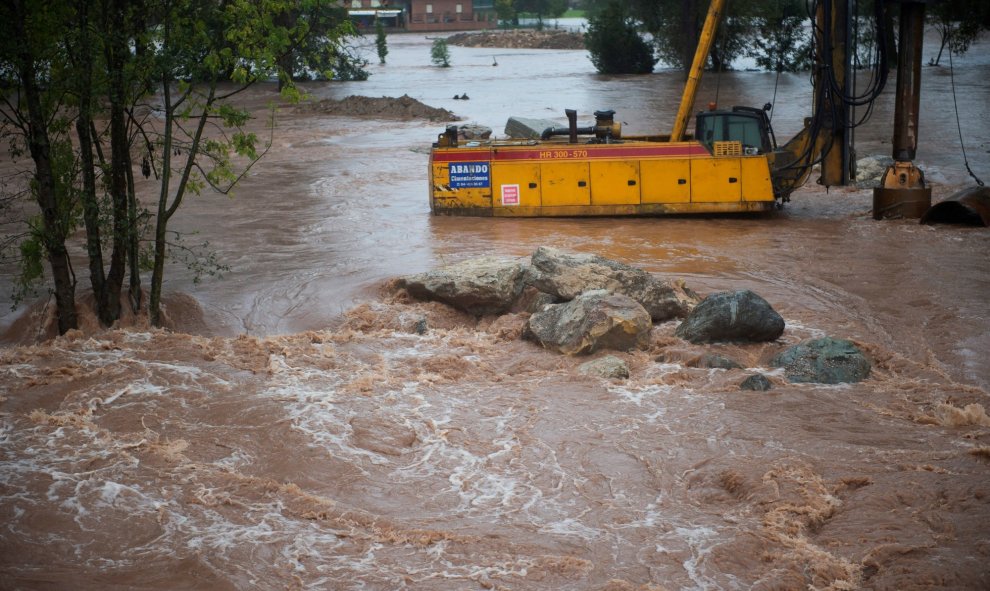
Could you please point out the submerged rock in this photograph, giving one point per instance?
(592, 321)
(486, 285)
(716, 361)
(567, 275)
(757, 382)
(608, 367)
(824, 361)
(736, 316)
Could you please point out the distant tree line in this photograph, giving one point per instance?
(92, 90)
(775, 33)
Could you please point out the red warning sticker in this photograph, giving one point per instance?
(510, 194)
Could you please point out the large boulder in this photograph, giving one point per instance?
(566, 275)
(736, 316)
(823, 361)
(594, 320)
(486, 285)
(609, 367)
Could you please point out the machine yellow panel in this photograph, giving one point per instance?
(665, 181)
(565, 183)
(615, 183)
(516, 184)
(715, 180)
(756, 183)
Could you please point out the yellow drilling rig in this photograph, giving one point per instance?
(732, 162)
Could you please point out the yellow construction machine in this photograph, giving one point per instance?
(732, 163)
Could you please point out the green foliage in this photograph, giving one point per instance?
(440, 54)
(958, 24)
(32, 268)
(505, 10)
(541, 9)
(615, 45)
(380, 42)
(781, 42)
(312, 41)
(675, 32)
(199, 259)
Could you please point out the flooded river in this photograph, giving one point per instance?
(307, 436)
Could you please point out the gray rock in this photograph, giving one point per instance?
(870, 169)
(532, 300)
(824, 361)
(608, 367)
(716, 361)
(525, 128)
(592, 321)
(473, 131)
(757, 382)
(738, 316)
(486, 285)
(566, 275)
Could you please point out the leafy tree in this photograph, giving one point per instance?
(541, 8)
(76, 62)
(505, 10)
(615, 45)
(781, 42)
(34, 121)
(380, 43)
(440, 53)
(676, 24)
(310, 37)
(958, 24)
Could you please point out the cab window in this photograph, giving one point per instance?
(726, 127)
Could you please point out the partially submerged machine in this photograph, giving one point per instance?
(731, 163)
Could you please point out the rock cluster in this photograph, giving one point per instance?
(578, 304)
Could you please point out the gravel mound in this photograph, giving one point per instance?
(404, 107)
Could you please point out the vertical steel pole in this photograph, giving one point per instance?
(902, 192)
(908, 97)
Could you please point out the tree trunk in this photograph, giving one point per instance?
(165, 209)
(944, 30)
(39, 143)
(286, 61)
(161, 221)
(133, 245)
(83, 62)
(120, 153)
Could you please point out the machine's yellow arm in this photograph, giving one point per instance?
(697, 67)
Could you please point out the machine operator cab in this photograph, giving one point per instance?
(723, 133)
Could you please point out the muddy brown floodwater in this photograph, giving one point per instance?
(306, 436)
